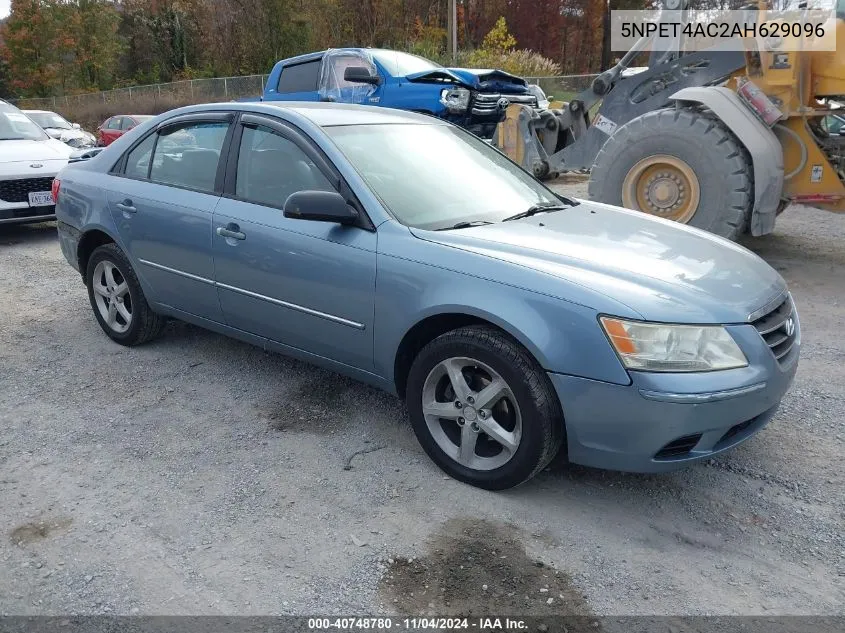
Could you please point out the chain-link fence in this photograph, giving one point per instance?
(562, 88)
(191, 90)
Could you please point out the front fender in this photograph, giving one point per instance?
(760, 142)
(563, 337)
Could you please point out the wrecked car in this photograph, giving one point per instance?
(474, 99)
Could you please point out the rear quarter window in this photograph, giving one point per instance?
(299, 78)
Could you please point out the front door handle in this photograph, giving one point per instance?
(126, 206)
(230, 231)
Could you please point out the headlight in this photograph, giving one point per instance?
(675, 348)
(455, 99)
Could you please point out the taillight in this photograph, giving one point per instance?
(55, 189)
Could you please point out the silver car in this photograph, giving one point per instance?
(402, 251)
(60, 128)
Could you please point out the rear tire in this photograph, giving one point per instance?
(117, 298)
(680, 164)
(509, 436)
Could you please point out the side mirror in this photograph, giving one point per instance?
(360, 75)
(320, 206)
(75, 126)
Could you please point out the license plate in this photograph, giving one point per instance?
(40, 198)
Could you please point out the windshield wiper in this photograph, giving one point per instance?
(538, 208)
(465, 225)
(13, 138)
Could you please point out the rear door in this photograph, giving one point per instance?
(298, 82)
(309, 285)
(162, 197)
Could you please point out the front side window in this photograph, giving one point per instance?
(299, 78)
(179, 159)
(114, 123)
(436, 176)
(271, 168)
(130, 122)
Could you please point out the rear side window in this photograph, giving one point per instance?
(187, 156)
(138, 160)
(127, 123)
(299, 78)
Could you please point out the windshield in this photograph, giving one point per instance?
(402, 64)
(437, 176)
(50, 119)
(14, 125)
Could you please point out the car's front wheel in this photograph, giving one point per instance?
(117, 298)
(483, 409)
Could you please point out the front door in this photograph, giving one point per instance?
(309, 285)
(162, 201)
(334, 87)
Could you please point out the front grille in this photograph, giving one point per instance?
(779, 328)
(679, 447)
(486, 104)
(19, 190)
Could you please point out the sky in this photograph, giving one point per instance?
(4, 8)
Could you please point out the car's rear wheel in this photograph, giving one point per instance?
(117, 299)
(483, 409)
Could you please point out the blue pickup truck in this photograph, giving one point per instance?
(473, 99)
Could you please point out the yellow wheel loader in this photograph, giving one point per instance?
(719, 139)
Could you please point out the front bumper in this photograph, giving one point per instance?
(25, 213)
(662, 422)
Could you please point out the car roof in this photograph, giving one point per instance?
(38, 111)
(309, 57)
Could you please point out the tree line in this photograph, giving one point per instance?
(61, 47)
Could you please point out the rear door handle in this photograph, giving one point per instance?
(230, 231)
(126, 206)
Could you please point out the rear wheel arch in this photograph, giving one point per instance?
(89, 241)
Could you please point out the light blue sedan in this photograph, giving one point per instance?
(404, 252)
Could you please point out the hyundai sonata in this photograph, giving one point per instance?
(405, 252)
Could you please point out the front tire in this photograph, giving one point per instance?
(483, 409)
(681, 165)
(117, 298)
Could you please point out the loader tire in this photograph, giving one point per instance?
(678, 164)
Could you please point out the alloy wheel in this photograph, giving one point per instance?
(111, 294)
(472, 413)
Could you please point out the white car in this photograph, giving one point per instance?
(29, 160)
(59, 127)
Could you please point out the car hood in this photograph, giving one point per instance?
(32, 151)
(661, 270)
(486, 80)
(63, 133)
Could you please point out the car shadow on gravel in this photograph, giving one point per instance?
(13, 234)
(473, 568)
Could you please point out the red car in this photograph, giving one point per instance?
(118, 125)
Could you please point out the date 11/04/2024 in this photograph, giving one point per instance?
(482, 624)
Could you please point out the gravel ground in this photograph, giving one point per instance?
(199, 475)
